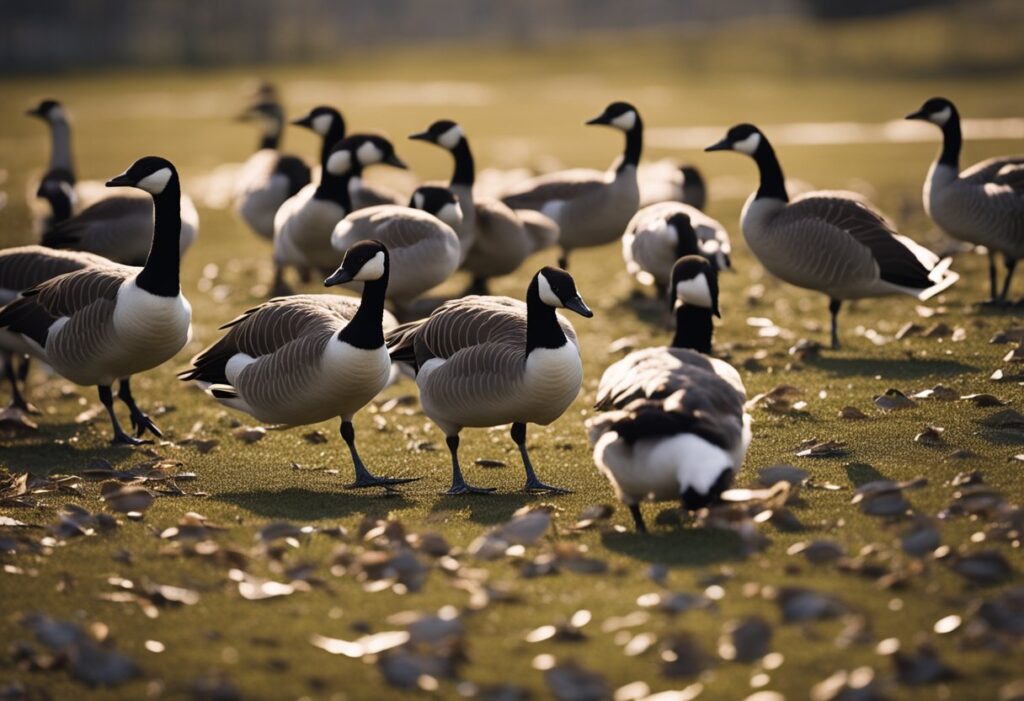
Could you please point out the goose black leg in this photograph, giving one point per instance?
(18, 400)
(533, 485)
(1011, 265)
(477, 286)
(140, 422)
(364, 478)
(661, 292)
(120, 437)
(638, 518)
(280, 288)
(459, 484)
(833, 308)
(563, 260)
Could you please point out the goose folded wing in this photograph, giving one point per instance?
(104, 227)
(474, 377)
(563, 186)
(29, 266)
(898, 262)
(291, 370)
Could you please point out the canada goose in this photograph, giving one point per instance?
(268, 177)
(108, 322)
(664, 181)
(495, 239)
(423, 247)
(22, 268)
(328, 123)
(673, 424)
(826, 241)
(308, 358)
(303, 224)
(60, 167)
(982, 205)
(486, 361)
(663, 232)
(590, 207)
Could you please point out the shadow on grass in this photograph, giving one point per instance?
(49, 450)
(487, 509)
(298, 504)
(648, 308)
(685, 546)
(889, 368)
(862, 473)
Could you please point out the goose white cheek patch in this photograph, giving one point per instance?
(321, 123)
(339, 162)
(450, 139)
(369, 153)
(695, 291)
(942, 116)
(417, 200)
(372, 269)
(748, 145)
(155, 182)
(547, 295)
(625, 121)
(56, 114)
(451, 213)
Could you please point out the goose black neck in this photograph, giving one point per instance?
(952, 141)
(334, 188)
(60, 206)
(334, 134)
(773, 183)
(634, 146)
(272, 134)
(686, 243)
(160, 274)
(694, 328)
(542, 327)
(60, 148)
(465, 170)
(366, 330)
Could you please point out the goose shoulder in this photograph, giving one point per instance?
(561, 186)
(501, 242)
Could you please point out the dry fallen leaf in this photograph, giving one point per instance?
(894, 400)
(249, 434)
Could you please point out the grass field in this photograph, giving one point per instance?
(519, 106)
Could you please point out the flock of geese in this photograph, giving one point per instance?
(100, 300)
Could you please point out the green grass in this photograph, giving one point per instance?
(540, 96)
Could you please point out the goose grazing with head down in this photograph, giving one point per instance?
(487, 361)
(672, 424)
(663, 232)
(303, 225)
(421, 240)
(268, 177)
(308, 358)
(108, 322)
(22, 268)
(827, 241)
(495, 239)
(590, 207)
(982, 205)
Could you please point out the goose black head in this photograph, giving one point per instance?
(556, 288)
(57, 190)
(620, 115)
(695, 499)
(744, 138)
(361, 150)
(444, 132)
(321, 120)
(48, 110)
(366, 261)
(149, 173)
(263, 91)
(439, 201)
(695, 283)
(691, 174)
(937, 110)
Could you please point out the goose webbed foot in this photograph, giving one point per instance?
(364, 478)
(535, 486)
(638, 518)
(19, 403)
(459, 484)
(122, 438)
(994, 303)
(140, 420)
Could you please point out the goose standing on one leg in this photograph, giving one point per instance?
(591, 207)
(423, 247)
(662, 233)
(303, 224)
(984, 204)
(495, 239)
(268, 177)
(308, 358)
(826, 241)
(673, 424)
(108, 322)
(487, 361)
